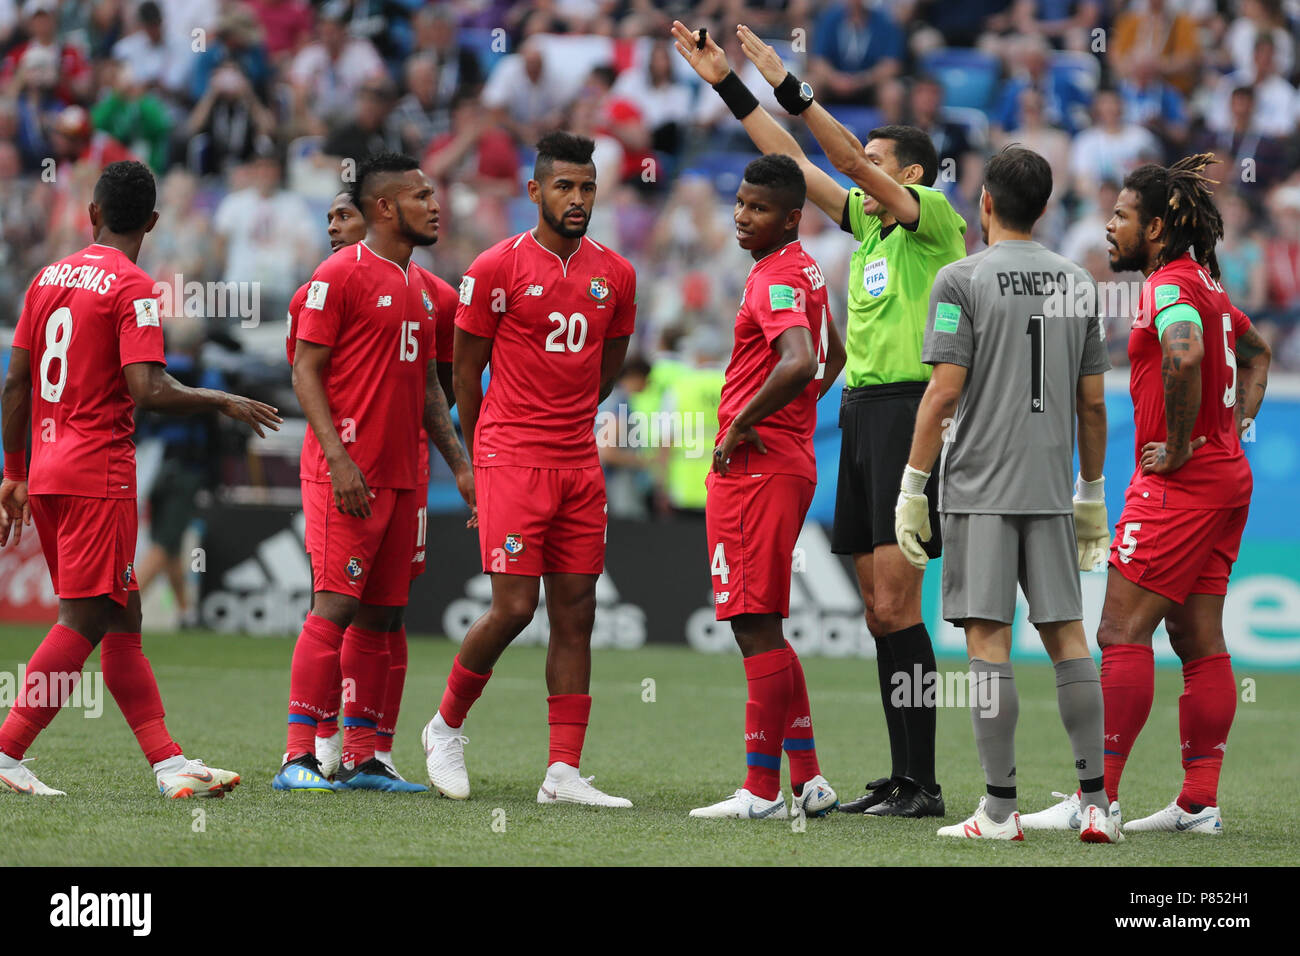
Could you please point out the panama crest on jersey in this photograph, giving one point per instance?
(354, 569)
(599, 289)
(514, 542)
(424, 297)
(127, 573)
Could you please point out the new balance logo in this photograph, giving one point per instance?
(384, 300)
(533, 290)
(972, 829)
(1222, 746)
(1113, 738)
(801, 722)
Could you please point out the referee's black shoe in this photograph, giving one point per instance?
(910, 799)
(877, 791)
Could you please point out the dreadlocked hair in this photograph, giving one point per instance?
(1182, 197)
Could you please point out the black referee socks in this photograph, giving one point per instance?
(907, 649)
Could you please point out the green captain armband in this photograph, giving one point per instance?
(1181, 312)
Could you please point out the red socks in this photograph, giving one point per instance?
(1128, 685)
(328, 725)
(365, 680)
(1205, 711)
(131, 682)
(63, 651)
(799, 744)
(392, 690)
(313, 682)
(463, 688)
(568, 715)
(770, 691)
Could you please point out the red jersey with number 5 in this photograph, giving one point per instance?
(548, 319)
(1217, 475)
(84, 319)
(785, 290)
(377, 319)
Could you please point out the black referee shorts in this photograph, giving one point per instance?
(876, 424)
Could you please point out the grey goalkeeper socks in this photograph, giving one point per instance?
(995, 733)
(1078, 695)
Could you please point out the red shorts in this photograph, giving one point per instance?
(367, 558)
(1177, 551)
(535, 521)
(421, 530)
(752, 523)
(89, 544)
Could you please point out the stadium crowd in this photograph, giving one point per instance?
(249, 111)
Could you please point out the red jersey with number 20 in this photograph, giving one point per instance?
(85, 318)
(1217, 475)
(377, 319)
(549, 319)
(785, 290)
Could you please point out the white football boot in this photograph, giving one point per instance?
(16, 778)
(192, 778)
(563, 784)
(1097, 827)
(980, 826)
(329, 752)
(444, 758)
(817, 799)
(1174, 819)
(1060, 816)
(744, 805)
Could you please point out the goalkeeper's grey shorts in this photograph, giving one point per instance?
(986, 556)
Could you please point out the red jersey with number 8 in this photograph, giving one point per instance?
(1217, 475)
(84, 319)
(548, 319)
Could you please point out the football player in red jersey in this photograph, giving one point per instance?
(787, 352)
(554, 311)
(347, 227)
(1199, 370)
(91, 331)
(364, 373)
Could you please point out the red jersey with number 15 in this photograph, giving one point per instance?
(549, 319)
(377, 319)
(1217, 475)
(84, 319)
(785, 290)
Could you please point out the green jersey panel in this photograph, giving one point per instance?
(889, 288)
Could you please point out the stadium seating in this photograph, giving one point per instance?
(969, 77)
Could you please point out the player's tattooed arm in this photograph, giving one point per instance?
(796, 366)
(611, 363)
(15, 424)
(1253, 359)
(437, 422)
(351, 493)
(1183, 349)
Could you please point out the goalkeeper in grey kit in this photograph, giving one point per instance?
(1018, 357)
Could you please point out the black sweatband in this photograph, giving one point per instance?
(736, 95)
(788, 95)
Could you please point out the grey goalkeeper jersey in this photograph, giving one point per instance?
(1023, 322)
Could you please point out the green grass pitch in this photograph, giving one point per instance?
(226, 703)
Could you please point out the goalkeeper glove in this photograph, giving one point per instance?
(1091, 526)
(912, 517)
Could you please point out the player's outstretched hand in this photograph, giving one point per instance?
(734, 436)
(710, 62)
(465, 485)
(1091, 532)
(15, 511)
(351, 493)
(912, 521)
(1157, 459)
(251, 413)
(762, 55)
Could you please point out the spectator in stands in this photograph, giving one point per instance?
(70, 63)
(229, 125)
(23, 212)
(959, 24)
(181, 242)
(1251, 156)
(479, 157)
(1282, 256)
(421, 114)
(238, 40)
(131, 114)
(154, 63)
(74, 139)
(1110, 148)
(926, 112)
(373, 129)
(327, 75)
(267, 235)
(287, 24)
(36, 104)
(1151, 102)
(1064, 104)
(1241, 256)
(523, 95)
(854, 48)
(1163, 35)
(892, 105)
(1276, 101)
(459, 72)
(665, 103)
(1036, 133)
(1256, 17)
(1066, 24)
(1088, 232)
